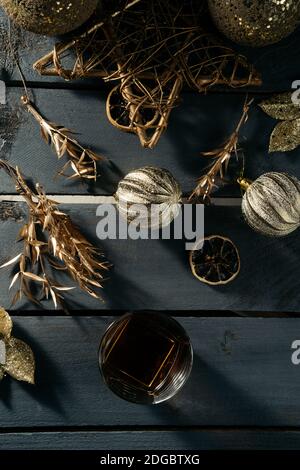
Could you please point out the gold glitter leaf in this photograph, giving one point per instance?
(20, 363)
(1, 373)
(5, 324)
(281, 107)
(285, 136)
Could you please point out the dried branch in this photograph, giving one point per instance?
(221, 157)
(51, 242)
(82, 161)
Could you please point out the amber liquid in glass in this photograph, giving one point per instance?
(145, 357)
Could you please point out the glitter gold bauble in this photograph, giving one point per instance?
(255, 22)
(51, 17)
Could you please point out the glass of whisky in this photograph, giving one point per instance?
(145, 357)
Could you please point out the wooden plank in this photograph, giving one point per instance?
(146, 273)
(278, 64)
(153, 440)
(94, 199)
(242, 376)
(200, 123)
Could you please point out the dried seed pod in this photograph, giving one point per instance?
(150, 188)
(215, 260)
(271, 204)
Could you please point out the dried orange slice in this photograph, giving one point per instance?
(215, 260)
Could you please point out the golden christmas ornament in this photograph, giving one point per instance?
(255, 22)
(149, 197)
(271, 204)
(51, 17)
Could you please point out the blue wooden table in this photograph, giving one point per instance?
(244, 390)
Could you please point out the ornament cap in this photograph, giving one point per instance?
(244, 183)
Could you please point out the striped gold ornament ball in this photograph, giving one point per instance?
(255, 22)
(50, 17)
(151, 193)
(271, 204)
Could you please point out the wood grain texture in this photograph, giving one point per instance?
(242, 376)
(146, 274)
(201, 123)
(153, 440)
(276, 63)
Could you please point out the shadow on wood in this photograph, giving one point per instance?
(50, 383)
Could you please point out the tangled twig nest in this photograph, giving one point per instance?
(150, 51)
(51, 242)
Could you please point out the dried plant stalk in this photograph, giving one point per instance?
(221, 157)
(51, 242)
(82, 161)
(150, 50)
